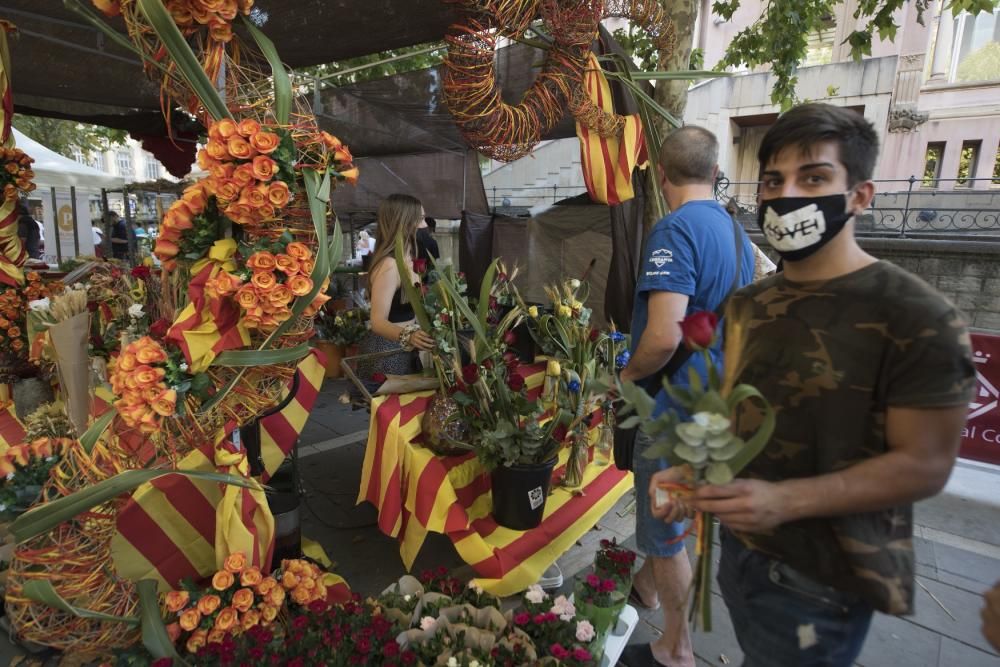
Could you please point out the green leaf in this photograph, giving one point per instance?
(187, 63)
(282, 82)
(246, 358)
(154, 633)
(718, 473)
(94, 431)
(756, 443)
(41, 590)
(690, 454)
(727, 452)
(712, 401)
(413, 295)
(43, 518)
(694, 380)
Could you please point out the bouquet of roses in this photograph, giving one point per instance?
(16, 174)
(24, 469)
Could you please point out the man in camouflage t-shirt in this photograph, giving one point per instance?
(869, 371)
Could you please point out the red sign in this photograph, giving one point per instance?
(981, 435)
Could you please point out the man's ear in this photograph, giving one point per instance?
(861, 197)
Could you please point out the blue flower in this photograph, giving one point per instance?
(621, 361)
(573, 386)
(617, 336)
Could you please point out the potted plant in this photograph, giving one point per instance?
(339, 334)
(598, 600)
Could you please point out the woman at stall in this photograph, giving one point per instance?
(393, 324)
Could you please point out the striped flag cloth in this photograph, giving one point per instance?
(608, 162)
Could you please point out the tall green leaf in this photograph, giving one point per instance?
(43, 518)
(42, 590)
(483, 307)
(248, 358)
(406, 284)
(187, 63)
(154, 633)
(282, 82)
(93, 434)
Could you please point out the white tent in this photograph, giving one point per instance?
(54, 170)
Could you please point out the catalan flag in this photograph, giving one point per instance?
(608, 162)
(12, 253)
(416, 492)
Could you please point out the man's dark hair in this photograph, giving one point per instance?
(431, 223)
(689, 155)
(811, 124)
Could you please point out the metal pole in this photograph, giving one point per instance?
(494, 197)
(465, 172)
(55, 225)
(76, 231)
(906, 206)
(317, 100)
(555, 193)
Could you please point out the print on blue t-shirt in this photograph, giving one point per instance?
(691, 251)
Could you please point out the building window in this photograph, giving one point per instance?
(124, 161)
(996, 168)
(819, 44)
(97, 161)
(152, 168)
(967, 161)
(932, 164)
(976, 51)
(79, 156)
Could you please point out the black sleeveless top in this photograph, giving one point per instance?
(399, 311)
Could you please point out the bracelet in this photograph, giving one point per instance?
(406, 334)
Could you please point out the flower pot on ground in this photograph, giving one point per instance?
(519, 494)
(334, 353)
(599, 601)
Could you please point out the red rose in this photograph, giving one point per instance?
(158, 329)
(488, 364)
(162, 662)
(510, 338)
(510, 360)
(470, 373)
(141, 272)
(594, 333)
(420, 266)
(502, 277)
(445, 318)
(698, 329)
(494, 304)
(560, 432)
(558, 652)
(515, 382)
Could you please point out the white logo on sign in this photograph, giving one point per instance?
(987, 397)
(536, 497)
(661, 257)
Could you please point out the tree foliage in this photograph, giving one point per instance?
(408, 63)
(66, 137)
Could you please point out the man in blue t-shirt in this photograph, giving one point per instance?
(689, 265)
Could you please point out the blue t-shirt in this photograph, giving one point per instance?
(692, 252)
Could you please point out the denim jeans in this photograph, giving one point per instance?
(654, 537)
(783, 618)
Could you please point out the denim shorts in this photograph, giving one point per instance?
(783, 617)
(654, 536)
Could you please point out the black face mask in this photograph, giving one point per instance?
(796, 227)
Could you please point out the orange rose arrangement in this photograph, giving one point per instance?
(16, 174)
(189, 15)
(15, 302)
(251, 167)
(240, 597)
(24, 469)
(275, 275)
(137, 378)
(189, 227)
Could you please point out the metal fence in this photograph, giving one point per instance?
(903, 207)
(527, 197)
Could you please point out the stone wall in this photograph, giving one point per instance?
(967, 272)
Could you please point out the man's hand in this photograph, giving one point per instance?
(664, 504)
(746, 505)
(991, 616)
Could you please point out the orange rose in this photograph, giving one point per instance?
(174, 632)
(289, 580)
(170, 233)
(276, 596)
(241, 214)
(246, 296)
(307, 583)
(222, 580)
(254, 197)
(243, 175)
(126, 362)
(261, 261)
(220, 171)
(177, 600)
(263, 280)
(226, 128)
(278, 193)
(196, 199)
(243, 599)
(350, 175)
(196, 641)
(250, 577)
(343, 154)
(166, 403)
(281, 314)
(266, 584)
(228, 10)
(280, 295)
(264, 168)
(190, 619)
(239, 148)
(220, 31)
(226, 620)
(215, 636)
(11, 167)
(42, 448)
(269, 613)
(248, 127)
(250, 619)
(217, 150)
(265, 142)
(331, 142)
(307, 266)
(223, 284)
(302, 596)
(227, 190)
(205, 161)
(150, 353)
(298, 250)
(14, 332)
(235, 562)
(300, 285)
(146, 376)
(266, 211)
(18, 454)
(209, 603)
(286, 264)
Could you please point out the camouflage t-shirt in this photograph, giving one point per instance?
(831, 357)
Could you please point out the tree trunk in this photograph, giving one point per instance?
(672, 95)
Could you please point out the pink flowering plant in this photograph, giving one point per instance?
(598, 591)
(614, 561)
(555, 628)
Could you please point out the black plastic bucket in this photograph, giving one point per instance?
(519, 494)
(283, 500)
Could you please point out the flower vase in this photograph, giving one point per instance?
(603, 618)
(442, 426)
(576, 465)
(605, 445)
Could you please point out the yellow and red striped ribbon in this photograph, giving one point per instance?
(12, 253)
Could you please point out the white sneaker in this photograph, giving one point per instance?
(552, 578)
